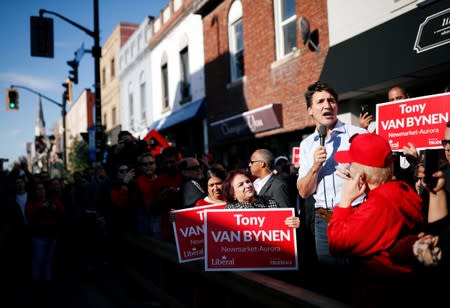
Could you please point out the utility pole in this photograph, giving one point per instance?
(96, 53)
(63, 113)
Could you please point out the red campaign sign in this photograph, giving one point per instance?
(249, 239)
(420, 121)
(189, 232)
(296, 156)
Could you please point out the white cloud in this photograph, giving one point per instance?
(34, 82)
(13, 133)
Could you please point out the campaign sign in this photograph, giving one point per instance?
(420, 121)
(296, 156)
(249, 239)
(189, 232)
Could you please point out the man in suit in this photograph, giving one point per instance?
(268, 184)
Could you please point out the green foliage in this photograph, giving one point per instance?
(79, 156)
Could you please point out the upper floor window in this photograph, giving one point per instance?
(143, 98)
(165, 84)
(104, 76)
(113, 68)
(236, 41)
(185, 86)
(285, 27)
(105, 125)
(130, 105)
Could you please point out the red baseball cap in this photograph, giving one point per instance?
(366, 149)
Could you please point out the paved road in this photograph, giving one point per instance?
(102, 287)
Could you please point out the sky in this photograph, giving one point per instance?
(46, 75)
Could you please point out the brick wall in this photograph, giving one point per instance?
(266, 79)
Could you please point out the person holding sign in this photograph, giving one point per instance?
(240, 194)
(367, 234)
(214, 183)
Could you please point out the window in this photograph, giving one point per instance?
(113, 70)
(103, 76)
(165, 86)
(143, 100)
(130, 105)
(185, 86)
(236, 41)
(104, 121)
(113, 117)
(285, 27)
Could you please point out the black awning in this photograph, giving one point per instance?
(389, 51)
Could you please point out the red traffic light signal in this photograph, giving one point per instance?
(12, 99)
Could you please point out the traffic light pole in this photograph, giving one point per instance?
(63, 113)
(96, 53)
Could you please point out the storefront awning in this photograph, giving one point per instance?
(397, 49)
(196, 109)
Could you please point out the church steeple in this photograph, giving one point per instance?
(39, 128)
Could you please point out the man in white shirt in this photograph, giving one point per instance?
(268, 184)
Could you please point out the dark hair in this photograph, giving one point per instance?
(124, 133)
(228, 190)
(318, 86)
(215, 172)
(448, 124)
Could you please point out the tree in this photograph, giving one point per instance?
(79, 156)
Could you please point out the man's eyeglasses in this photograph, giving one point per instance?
(148, 163)
(123, 170)
(445, 142)
(251, 162)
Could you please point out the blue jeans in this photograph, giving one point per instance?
(324, 257)
(43, 252)
(148, 225)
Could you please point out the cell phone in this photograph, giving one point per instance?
(364, 108)
(431, 162)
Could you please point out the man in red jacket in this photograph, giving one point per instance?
(367, 233)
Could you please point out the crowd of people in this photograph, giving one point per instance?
(374, 232)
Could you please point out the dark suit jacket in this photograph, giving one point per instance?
(277, 189)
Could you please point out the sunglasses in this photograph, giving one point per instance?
(251, 162)
(445, 142)
(123, 170)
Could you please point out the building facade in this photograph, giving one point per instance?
(79, 119)
(135, 79)
(109, 78)
(178, 82)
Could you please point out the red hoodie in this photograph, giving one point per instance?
(367, 233)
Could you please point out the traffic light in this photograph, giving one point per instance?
(12, 99)
(73, 73)
(69, 90)
(67, 95)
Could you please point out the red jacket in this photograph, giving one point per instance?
(367, 233)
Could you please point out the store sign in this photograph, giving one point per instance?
(433, 32)
(421, 121)
(250, 122)
(249, 239)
